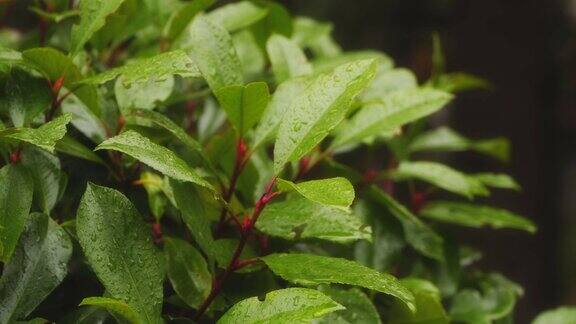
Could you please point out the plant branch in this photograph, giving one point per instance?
(235, 262)
(240, 162)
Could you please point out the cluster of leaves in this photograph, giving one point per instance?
(181, 161)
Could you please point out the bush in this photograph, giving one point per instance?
(182, 161)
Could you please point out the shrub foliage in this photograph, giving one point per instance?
(184, 161)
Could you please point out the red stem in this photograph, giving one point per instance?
(241, 159)
(16, 155)
(235, 262)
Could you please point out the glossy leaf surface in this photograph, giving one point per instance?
(309, 269)
(319, 109)
(153, 155)
(119, 248)
(38, 266)
(291, 305)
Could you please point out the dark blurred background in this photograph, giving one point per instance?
(527, 49)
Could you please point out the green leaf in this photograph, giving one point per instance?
(25, 97)
(16, 188)
(287, 59)
(472, 215)
(441, 139)
(38, 266)
(277, 21)
(298, 218)
(212, 50)
(444, 139)
(395, 110)
(54, 64)
(387, 244)
(180, 19)
(56, 17)
(495, 301)
(187, 271)
(429, 307)
(316, 36)
(251, 56)
(155, 156)
(244, 105)
(441, 176)
(459, 82)
(70, 146)
(277, 108)
(321, 107)
(497, 180)
(309, 269)
(421, 237)
(157, 68)
(328, 64)
(560, 315)
(115, 306)
(388, 81)
(44, 136)
(119, 248)
(83, 119)
(197, 207)
(145, 95)
(154, 186)
(359, 308)
(93, 15)
(224, 249)
(49, 180)
(235, 16)
(284, 306)
(143, 116)
(166, 123)
(337, 192)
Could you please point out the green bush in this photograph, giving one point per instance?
(181, 161)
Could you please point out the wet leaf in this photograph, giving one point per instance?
(291, 305)
(44, 136)
(39, 264)
(359, 308)
(473, 215)
(298, 218)
(560, 315)
(153, 155)
(119, 248)
(309, 269)
(115, 306)
(441, 176)
(238, 15)
(212, 49)
(429, 307)
(444, 139)
(26, 97)
(54, 64)
(320, 108)
(70, 146)
(16, 188)
(419, 235)
(49, 180)
(93, 15)
(244, 105)
(393, 111)
(187, 271)
(276, 109)
(337, 192)
(287, 59)
(158, 68)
